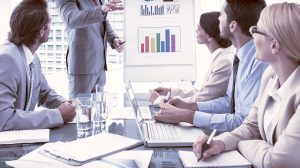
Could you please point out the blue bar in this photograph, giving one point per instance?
(167, 40)
(162, 46)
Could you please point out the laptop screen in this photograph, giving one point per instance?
(134, 104)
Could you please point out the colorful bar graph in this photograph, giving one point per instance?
(159, 39)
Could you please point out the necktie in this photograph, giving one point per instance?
(235, 70)
(32, 66)
(96, 2)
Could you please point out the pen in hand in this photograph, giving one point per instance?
(206, 145)
(167, 97)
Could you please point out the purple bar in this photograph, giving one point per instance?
(172, 43)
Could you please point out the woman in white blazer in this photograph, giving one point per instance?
(216, 80)
(270, 135)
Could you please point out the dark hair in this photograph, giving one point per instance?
(245, 12)
(210, 24)
(26, 21)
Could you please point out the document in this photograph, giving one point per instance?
(87, 149)
(24, 136)
(34, 159)
(225, 159)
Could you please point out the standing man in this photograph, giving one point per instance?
(227, 112)
(88, 33)
(22, 84)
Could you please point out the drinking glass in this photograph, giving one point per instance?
(83, 114)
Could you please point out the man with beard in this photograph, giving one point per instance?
(227, 112)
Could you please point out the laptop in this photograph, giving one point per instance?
(155, 134)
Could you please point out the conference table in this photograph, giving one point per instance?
(162, 157)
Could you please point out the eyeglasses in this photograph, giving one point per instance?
(253, 29)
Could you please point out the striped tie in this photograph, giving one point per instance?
(235, 70)
(32, 66)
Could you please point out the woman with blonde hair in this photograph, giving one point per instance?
(270, 135)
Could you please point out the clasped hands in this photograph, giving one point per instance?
(112, 5)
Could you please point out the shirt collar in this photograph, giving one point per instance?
(28, 54)
(279, 92)
(242, 52)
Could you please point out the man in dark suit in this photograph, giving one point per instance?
(22, 84)
(88, 33)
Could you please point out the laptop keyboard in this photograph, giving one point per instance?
(160, 131)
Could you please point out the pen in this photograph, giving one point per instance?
(168, 96)
(208, 142)
(122, 43)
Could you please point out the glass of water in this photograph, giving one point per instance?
(99, 111)
(83, 114)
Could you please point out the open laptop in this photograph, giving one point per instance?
(155, 134)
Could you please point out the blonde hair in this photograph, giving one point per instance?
(282, 22)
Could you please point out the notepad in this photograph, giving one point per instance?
(84, 150)
(225, 159)
(24, 136)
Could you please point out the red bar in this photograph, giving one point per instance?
(147, 43)
(142, 47)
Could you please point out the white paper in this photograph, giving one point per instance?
(36, 160)
(91, 147)
(24, 136)
(225, 159)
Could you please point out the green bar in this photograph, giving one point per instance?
(158, 42)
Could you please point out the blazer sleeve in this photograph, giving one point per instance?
(217, 81)
(48, 97)
(13, 117)
(110, 34)
(75, 18)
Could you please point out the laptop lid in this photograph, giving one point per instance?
(138, 117)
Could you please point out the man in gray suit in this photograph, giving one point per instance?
(88, 34)
(22, 84)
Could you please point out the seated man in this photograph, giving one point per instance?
(227, 112)
(22, 84)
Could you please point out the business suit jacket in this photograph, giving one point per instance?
(15, 90)
(87, 46)
(215, 82)
(250, 138)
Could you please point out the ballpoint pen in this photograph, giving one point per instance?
(206, 145)
(167, 97)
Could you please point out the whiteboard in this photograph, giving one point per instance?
(160, 40)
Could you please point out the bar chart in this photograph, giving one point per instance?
(159, 39)
(152, 10)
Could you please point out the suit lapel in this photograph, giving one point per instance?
(265, 102)
(26, 69)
